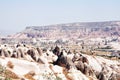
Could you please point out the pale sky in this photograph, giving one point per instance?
(15, 15)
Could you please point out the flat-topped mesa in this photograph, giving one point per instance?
(73, 30)
(81, 24)
(80, 27)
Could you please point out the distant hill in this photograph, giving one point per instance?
(72, 30)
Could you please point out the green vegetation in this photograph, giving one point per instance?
(107, 47)
(3, 73)
(50, 76)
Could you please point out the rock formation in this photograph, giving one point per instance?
(72, 30)
(33, 63)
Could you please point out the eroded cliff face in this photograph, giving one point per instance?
(72, 30)
(33, 63)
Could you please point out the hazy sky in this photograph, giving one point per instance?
(15, 15)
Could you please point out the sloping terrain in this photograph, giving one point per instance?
(30, 63)
(42, 72)
(72, 30)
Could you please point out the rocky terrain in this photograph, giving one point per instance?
(72, 30)
(73, 51)
(23, 62)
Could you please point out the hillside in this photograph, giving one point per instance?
(31, 55)
(72, 30)
(33, 63)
